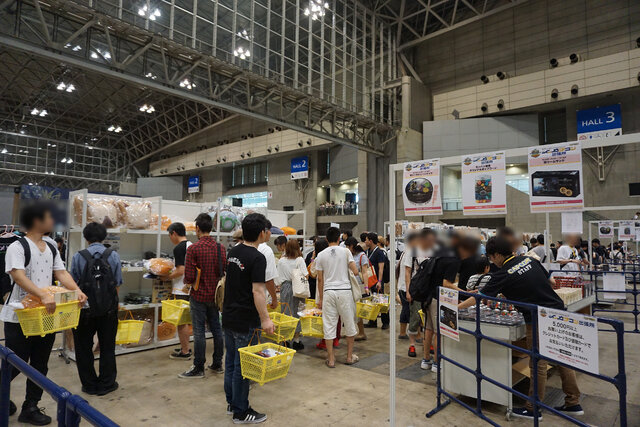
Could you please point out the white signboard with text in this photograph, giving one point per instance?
(570, 338)
(421, 188)
(626, 230)
(484, 188)
(605, 229)
(448, 313)
(555, 175)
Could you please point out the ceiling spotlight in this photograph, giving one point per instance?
(553, 62)
(500, 104)
(278, 128)
(484, 79)
(114, 128)
(218, 159)
(501, 75)
(248, 153)
(574, 58)
(224, 159)
(574, 90)
(241, 52)
(639, 76)
(638, 42)
(554, 94)
(484, 107)
(146, 108)
(187, 84)
(269, 149)
(38, 112)
(316, 9)
(98, 53)
(455, 113)
(243, 34)
(151, 76)
(75, 48)
(242, 155)
(308, 142)
(66, 87)
(300, 143)
(149, 13)
(4, 151)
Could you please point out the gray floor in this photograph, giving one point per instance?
(151, 394)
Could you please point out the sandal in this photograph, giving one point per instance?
(354, 360)
(326, 362)
(360, 338)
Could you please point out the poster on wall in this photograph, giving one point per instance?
(626, 230)
(421, 188)
(484, 190)
(448, 313)
(605, 229)
(568, 337)
(556, 178)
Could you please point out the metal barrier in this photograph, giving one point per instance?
(601, 304)
(71, 408)
(619, 381)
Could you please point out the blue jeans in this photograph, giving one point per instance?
(235, 387)
(202, 312)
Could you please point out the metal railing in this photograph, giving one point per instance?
(71, 408)
(619, 381)
(625, 306)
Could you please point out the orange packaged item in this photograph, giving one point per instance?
(166, 331)
(32, 301)
(166, 222)
(190, 226)
(160, 266)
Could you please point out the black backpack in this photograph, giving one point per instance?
(421, 283)
(27, 259)
(98, 283)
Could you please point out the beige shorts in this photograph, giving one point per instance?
(430, 315)
(338, 304)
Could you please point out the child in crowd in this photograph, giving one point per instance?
(482, 276)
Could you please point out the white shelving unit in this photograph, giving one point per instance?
(132, 244)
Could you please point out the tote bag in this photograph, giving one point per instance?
(356, 290)
(299, 284)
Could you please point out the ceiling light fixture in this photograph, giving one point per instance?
(242, 53)
(98, 53)
(149, 13)
(38, 112)
(243, 34)
(4, 151)
(75, 48)
(151, 76)
(66, 87)
(186, 83)
(114, 128)
(316, 9)
(146, 108)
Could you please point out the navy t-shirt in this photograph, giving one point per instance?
(376, 256)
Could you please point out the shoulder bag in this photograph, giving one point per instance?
(356, 290)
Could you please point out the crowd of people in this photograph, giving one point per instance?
(252, 280)
(341, 208)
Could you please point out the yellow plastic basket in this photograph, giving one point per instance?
(312, 326)
(309, 303)
(261, 369)
(421, 313)
(367, 311)
(37, 322)
(176, 312)
(384, 307)
(285, 327)
(273, 310)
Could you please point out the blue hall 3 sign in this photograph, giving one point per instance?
(599, 122)
(300, 167)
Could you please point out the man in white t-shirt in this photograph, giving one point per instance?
(334, 295)
(271, 272)
(178, 235)
(33, 264)
(568, 257)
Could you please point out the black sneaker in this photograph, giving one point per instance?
(384, 327)
(297, 345)
(229, 410)
(192, 373)
(90, 391)
(33, 415)
(525, 413)
(109, 389)
(371, 325)
(249, 417)
(218, 369)
(12, 408)
(180, 355)
(570, 410)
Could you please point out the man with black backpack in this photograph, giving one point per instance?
(32, 265)
(98, 272)
(380, 264)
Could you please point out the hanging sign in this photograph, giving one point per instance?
(448, 313)
(605, 229)
(571, 222)
(570, 338)
(421, 188)
(626, 230)
(300, 167)
(193, 185)
(556, 178)
(484, 190)
(599, 122)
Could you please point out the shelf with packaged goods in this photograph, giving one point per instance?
(131, 307)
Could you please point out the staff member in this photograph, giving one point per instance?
(523, 279)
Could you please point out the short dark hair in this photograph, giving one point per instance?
(469, 244)
(596, 240)
(252, 225)
(351, 242)
(59, 239)
(178, 228)
(32, 212)
(412, 236)
(363, 236)
(540, 239)
(269, 225)
(333, 234)
(348, 233)
(506, 231)
(204, 222)
(533, 240)
(482, 262)
(426, 231)
(94, 232)
(280, 240)
(320, 245)
(373, 237)
(499, 245)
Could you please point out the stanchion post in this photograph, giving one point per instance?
(392, 305)
(5, 389)
(478, 352)
(534, 366)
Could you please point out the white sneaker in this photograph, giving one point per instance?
(434, 367)
(426, 364)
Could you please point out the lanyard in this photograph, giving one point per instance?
(508, 259)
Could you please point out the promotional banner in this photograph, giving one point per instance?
(626, 230)
(556, 178)
(605, 229)
(570, 338)
(448, 313)
(421, 188)
(484, 190)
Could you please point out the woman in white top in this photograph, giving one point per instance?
(290, 261)
(362, 263)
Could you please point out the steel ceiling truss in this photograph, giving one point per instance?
(418, 20)
(82, 38)
(10, 178)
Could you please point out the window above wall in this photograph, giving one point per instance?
(245, 175)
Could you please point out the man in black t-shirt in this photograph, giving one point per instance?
(244, 311)
(377, 260)
(524, 279)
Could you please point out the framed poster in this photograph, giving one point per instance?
(484, 189)
(421, 188)
(555, 175)
(626, 230)
(605, 229)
